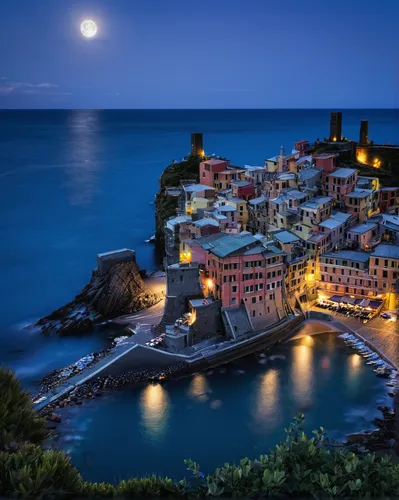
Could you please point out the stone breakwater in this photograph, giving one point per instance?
(95, 388)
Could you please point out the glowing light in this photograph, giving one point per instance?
(210, 284)
(355, 361)
(361, 156)
(88, 28)
(199, 388)
(266, 408)
(302, 373)
(376, 163)
(307, 341)
(334, 139)
(154, 407)
(310, 277)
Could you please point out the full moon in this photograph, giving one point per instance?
(88, 28)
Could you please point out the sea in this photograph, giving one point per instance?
(79, 182)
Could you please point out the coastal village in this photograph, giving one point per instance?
(257, 244)
(249, 254)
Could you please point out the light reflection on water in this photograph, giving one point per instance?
(302, 372)
(83, 168)
(234, 416)
(267, 414)
(199, 388)
(154, 406)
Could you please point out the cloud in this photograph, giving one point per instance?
(25, 87)
(6, 89)
(38, 91)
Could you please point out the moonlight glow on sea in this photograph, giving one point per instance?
(88, 28)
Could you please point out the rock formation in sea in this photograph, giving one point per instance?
(120, 290)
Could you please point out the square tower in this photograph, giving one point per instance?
(336, 127)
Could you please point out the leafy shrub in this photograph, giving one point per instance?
(19, 423)
(34, 473)
(303, 466)
(97, 490)
(150, 487)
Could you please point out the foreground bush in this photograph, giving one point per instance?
(18, 422)
(301, 466)
(304, 466)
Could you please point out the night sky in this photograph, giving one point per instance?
(200, 54)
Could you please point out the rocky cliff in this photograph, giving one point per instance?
(166, 205)
(120, 291)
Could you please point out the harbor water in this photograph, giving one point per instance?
(76, 183)
(224, 415)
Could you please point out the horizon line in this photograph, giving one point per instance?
(199, 109)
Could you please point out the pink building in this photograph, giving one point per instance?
(243, 189)
(302, 147)
(326, 162)
(216, 174)
(389, 199)
(244, 272)
(341, 182)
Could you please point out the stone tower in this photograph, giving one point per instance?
(364, 133)
(336, 127)
(197, 147)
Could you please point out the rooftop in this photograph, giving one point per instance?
(256, 201)
(241, 183)
(286, 237)
(387, 251)
(181, 219)
(252, 168)
(308, 173)
(331, 223)
(226, 208)
(230, 244)
(304, 159)
(343, 173)
(123, 252)
(359, 193)
(215, 162)
(363, 228)
(356, 256)
(341, 216)
(197, 187)
(207, 221)
(316, 202)
(197, 242)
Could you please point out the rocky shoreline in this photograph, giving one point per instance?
(119, 291)
(385, 438)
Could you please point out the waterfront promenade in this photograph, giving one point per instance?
(382, 334)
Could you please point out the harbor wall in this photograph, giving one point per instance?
(141, 358)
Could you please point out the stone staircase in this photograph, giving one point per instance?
(236, 322)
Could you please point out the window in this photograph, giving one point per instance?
(234, 289)
(233, 300)
(253, 300)
(385, 274)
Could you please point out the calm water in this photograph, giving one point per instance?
(75, 183)
(223, 416)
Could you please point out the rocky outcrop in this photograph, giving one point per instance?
(119, 291)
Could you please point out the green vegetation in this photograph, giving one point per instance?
(301, 466)
(166, 205)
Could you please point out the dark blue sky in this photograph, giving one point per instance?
(200, 54)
